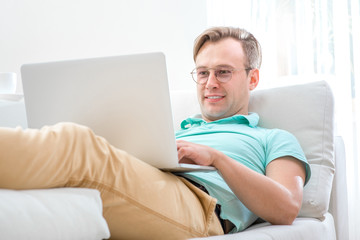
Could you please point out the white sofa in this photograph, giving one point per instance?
(305, 110)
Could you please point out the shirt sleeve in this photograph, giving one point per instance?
(281, 143)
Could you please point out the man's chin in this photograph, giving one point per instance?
(213, 116)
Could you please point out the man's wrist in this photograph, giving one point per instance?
(219, 159)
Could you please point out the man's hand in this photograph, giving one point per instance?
(195, 153)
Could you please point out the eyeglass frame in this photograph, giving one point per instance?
(232, 70)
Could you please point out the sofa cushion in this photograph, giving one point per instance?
(307, 111)
(302, 228)
(62, 213)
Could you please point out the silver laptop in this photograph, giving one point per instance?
(124, 99)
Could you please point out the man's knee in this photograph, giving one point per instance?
(73, 130)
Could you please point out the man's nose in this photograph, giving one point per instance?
(212, 81)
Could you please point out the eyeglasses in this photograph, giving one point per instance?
(201, 75)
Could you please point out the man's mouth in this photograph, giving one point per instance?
(214, 98)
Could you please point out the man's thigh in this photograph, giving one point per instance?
(139, 201)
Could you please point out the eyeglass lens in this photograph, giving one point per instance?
(201, 76)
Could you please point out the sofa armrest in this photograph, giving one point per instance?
(339, 201)
(59, 213)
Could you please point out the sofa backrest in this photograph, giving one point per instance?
(307, 111)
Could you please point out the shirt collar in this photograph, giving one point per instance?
(251, 120)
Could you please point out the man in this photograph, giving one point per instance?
(261, 172)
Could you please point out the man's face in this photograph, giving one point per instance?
(219, 100)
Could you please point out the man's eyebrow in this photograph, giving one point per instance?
(224, 66)
(217, 66)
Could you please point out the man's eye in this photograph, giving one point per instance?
(203, 73)
(224, 71)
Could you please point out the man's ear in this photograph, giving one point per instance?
(254, 78)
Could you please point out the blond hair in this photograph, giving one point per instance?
(250, 44)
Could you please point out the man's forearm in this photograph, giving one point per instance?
(264, 196)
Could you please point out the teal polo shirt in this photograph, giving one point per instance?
(240, 138)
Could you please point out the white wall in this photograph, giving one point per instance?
(50, 30)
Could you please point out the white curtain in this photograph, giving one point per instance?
(318, 39)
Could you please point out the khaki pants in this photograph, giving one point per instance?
(139, 201)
